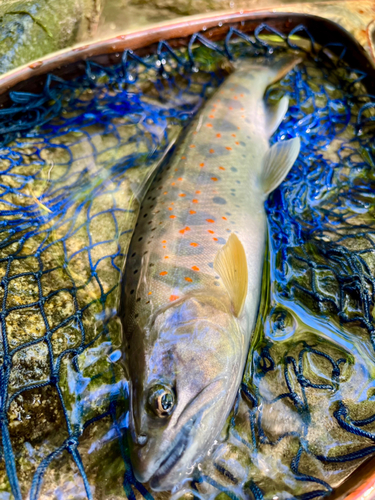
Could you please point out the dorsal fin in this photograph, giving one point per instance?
(231, 265)
(277, 162)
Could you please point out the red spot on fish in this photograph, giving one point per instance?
(242, 109)
(197, 192)
(164, 241)
(237, 143)
(211, 116)
(228, 148)
(210, 231)
(195, 132)
(235, 97)
(164, 246)
(188, 279)
(150, 293)
(165, 192)
(173, 297)
(221, 168)
(187, 228)
(163, 273)
(166, 257)
(183, 157)
(230, 107)
(209, 125)
(195, 201)
(182, 195)
(182, 231)
(172, 216)
(192, 145)
(215, 239)
(193, 212)
(212, 151)
(211, 221)
(179, 179)
(214, 179)
(233, 135)
(173, 183)
(192, 244)
(241, 95)
(170, 208)
(238, 128)
(195, 268)
(224, 218)
(201, 164)
(218, 136)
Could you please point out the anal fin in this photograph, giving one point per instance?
(277, 162)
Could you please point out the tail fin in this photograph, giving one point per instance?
(282, 67)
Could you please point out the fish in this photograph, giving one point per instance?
(192, 279)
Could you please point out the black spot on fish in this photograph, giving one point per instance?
(216, 283)
(233, 169)
(228, 213)
(221, 241)
(238, 182)
(225, 126)
(135, 272)
(140, 239)
(219, 200)
(211, 265)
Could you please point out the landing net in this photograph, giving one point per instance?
(69, 158)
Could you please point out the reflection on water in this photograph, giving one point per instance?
(303, 419)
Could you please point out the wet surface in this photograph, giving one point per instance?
(304, 417)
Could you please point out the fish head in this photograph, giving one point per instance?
(183, 382)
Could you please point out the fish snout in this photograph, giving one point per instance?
(142, 466)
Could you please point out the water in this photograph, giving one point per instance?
(303, 419)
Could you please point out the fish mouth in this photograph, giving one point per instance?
(173, 455)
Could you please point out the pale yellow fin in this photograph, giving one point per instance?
(231, 265)
(275, 114)
(277, 162)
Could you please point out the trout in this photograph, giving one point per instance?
(192, 279)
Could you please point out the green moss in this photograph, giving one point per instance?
(29, 30)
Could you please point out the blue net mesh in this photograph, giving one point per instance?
(69, 158)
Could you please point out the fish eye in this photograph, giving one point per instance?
(161, 400)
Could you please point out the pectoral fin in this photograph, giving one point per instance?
(275, 114)
(231, 265)
(277, 162)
